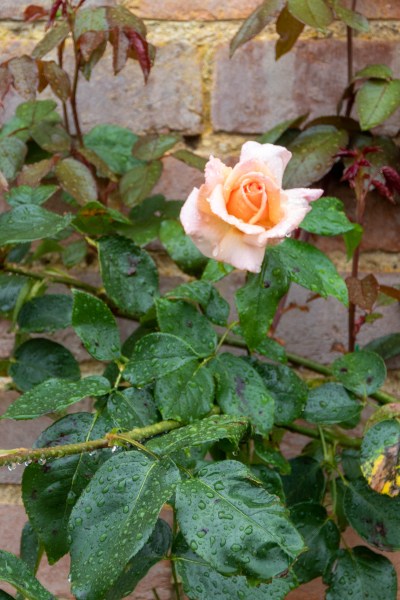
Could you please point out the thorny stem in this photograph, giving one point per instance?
(60, 52)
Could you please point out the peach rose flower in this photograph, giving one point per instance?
(238, 211)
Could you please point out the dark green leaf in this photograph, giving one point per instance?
(315, 13)
(272, 135)
(380, 458)
(74, 253)
(215, 271)
(30, 548)
(215, 307)
(286, 388)
(50, 490)
(271, 349)
(117, 523)
(76, 179)
(95, 324)
(186, 394)
(138, 182)
(54, 395)
(361, 372)
(374, 72)
(376, 101)
(227, 499)
(40, 359)
(154, 550)
(181, 248)
(241, 391)
(24, 194)
(11, 287)
(156, 355)
(57, 34)
(258, 300)
(183, 320)
(327, 217)
(96, 219)
(15, 571)
(201, 582)
(191, 159)
(321, 536)
(113, 145)
(270, 479)
(52, 137)
(12, 155)
(45, 313)
(30, 222)
(153, 146)
(330, 403)
(374, 517)
(288, 28)
(270, 454)
(360, 573)
(311, 268)
(208, 430)
(313, 154)
(131, 408)
(386, 346)
(255, 23)
(306, 482)
(129, 275)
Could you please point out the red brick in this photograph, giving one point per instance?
(252, 92)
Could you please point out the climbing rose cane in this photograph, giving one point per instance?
(238, 211)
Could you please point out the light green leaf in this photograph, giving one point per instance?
(181, 248)
(376, 101)
(315, 13)
(113, 144)
(30, 222)
(24, 194)
(327, 217)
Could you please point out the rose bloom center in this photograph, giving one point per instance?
(251, 201)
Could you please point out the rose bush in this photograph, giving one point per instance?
(238, 211)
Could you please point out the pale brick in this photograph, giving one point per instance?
(252, 92)
(14, 9)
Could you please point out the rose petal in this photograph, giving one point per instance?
(234, 250)
(295, 211)
(218, 207)
(216, 172)
(274, 157)
(308, 194)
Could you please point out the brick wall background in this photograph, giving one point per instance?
(217, 104)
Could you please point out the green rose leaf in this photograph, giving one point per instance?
(76, 179)
(330, 403)
(40, 359)
(181, 248)
(54, 395)
(132, 408)
(227, 498)
(255, 23)
(314, 13)
(30, 549)
(289, 29)
(190, 159)
(374, 72)
(50, 490)
(360, 372)
(24, 194)
(215, 307)
(12, 155)
(184, 320)
(138, 182)
(258, 300)
(55, 36)
(386, 346)
(117, 523)
(95, 324)
(11, 286)
(241, 391)
(29, 222)
(313, 153)
(327, 217)
(286, 388)
(376, 101)
(129, 275)
(153, 146)
(156, 355)
(305, 482)
(311, 268)
(207, 431)
(15, 571)
(380, 451)
(201, 582)
(375, 517)
(361, 573)
(45, 313)
(96, 219)
(113, 144)
(321, 537)
(351, 18)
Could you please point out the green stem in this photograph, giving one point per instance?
(173, 565)
(330, 436)
(63, 279)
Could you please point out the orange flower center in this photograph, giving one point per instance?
(251, 202)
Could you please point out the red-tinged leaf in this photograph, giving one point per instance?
(363, 292)
(34, 13)
(390, 291)
(345, 153)
(383, 190)
(51, 40)
(3, 183)
(5, 82)
(140, 48)
(25, 76)
(33, 174)
(255, 23)
(120, 44)
(119, 16)
(53, 12)
(392, 178)
(350, 173)
(288, 28)
(89, 42)
(57, 78)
